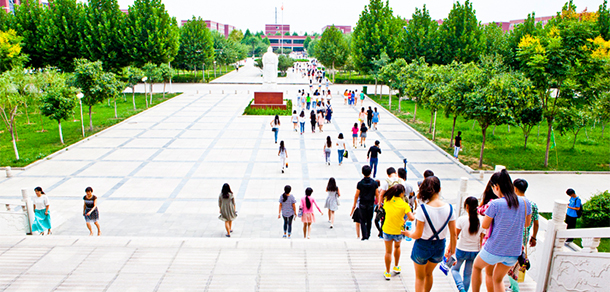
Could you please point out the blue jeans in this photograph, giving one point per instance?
(308, 104)
(466, 257)
(341, 151)
(288, 224)
(302, 127)
(275, 133)
(373, 165)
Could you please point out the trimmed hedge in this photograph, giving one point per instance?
(596, 212)
(269, 111)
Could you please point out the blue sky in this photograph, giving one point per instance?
(311, 15)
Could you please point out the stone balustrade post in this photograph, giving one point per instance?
(9, 172)
(590, 244)
(481, 175)
(551, 243)
(29, 209)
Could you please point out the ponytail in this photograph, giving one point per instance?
(308, 192)
(287, 190)
(470, 204)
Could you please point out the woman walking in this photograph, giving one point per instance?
(90, 211)
(369, 117)
(308, 217)
(468, 230)
(509, 215)
(283, 154)
(375, 118)
(226, 203)
(295, 120)
(362, 116)
(313, 120)
(328, 145)
(345, 96)
(321, 120)
(329, 111)
(332, 200)
(287, 210)
(434, 219)
(340, 147)
(354, 134)
(302, 121)
(42, 216)
(395, 211)
(363, 130)
(329, 96)
(275, 126)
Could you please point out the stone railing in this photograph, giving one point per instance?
(15, 216)
(562, 268)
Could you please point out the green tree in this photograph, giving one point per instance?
(152, 74)
(103, 35)
(332, 49)
(284, 63)
(496, 42)
(420, 37)
(529, 27)
(6, 20)
(131, 76)
(572, 120)
(378, 64)
(28, 22)
(10, 100)
(151, 34)
(312, 49)
(395, 77)
(196, 45)
(58, 102)
(460, 37)
(527, 117)
(88, 78)
(603, 20)
(236, 35)
(458, 89)
(306, 42)
(61, 33)
(377, 31)
(10, 51)
(111, 87)
(166, 73)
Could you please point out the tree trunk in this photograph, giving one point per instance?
(538, 129)
(42, 125)
(12, 130)
(431, 121)
(494, 131)
(90, 119)
(399, 102)
(415, 112)
(376, 86)
(133, 97)
(575, 135)
(548, 143)
(434, 128)
(61, 135)
(525, 143)
(603, 128)
(452, 131)
(390, 100)
(151, 93)
(115, 113)
(26, 112)
(164, 89)
(509, 128)
(483, 131)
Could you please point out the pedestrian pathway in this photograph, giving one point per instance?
(249, 74)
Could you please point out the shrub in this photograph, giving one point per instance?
(596, 211)
(269, 111)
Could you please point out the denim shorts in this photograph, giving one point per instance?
(395, 237)
(425, 251)
(494, 259)
(355, 135)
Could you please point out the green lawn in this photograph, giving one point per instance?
(604, 245)
(34, 144)
(269, 111)
(184, 76)
(591, 153)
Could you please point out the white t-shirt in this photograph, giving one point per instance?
(40, 202)
(340, 144)
(467, 241)
(384, 183)
(438, 216)
(295, 118)
(301, 119)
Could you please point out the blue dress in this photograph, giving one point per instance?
(329, 112)
(376, 117)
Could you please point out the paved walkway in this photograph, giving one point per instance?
(158, 176)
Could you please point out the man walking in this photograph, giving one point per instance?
(373, 153)
(366, 192)
(520, 188)
(458, 144)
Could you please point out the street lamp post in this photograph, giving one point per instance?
(203, 73)
(214, 69)
(145, 96)
(80, 96)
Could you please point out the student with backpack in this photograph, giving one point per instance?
(470, 237)
(574, 210)
(434, 219)
(366, 192)
(386, 184)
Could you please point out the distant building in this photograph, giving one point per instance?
(295, 43)
(510, 25)
(271, 29)
(223, 29)
(343, 28)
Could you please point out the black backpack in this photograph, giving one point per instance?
(579, 211)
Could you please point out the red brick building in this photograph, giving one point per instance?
(224, 29)
(343, 28)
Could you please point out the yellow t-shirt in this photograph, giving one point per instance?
(395, 211)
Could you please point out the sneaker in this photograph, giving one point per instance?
(396, 270)
(328, 221)
(331, 227)
(282, 171)
(387, 276)
(284, 236)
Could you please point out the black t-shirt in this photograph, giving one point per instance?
(367, 187)
(373, 152)
(369, 114)
(458, 141)
(363, 129)
(90, 203)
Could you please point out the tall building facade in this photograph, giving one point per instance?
(224, 29)
(343, 28)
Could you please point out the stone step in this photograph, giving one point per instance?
(69, 263)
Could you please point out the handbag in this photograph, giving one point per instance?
(345, 155)
(517, 272)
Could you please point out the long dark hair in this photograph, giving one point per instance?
(282, 148)
(287, 190)
(328, 142)
(471, 204)
(502, 180)
(332, 185)
(430, 186)
(340, 135)
(394, 191)
(302, 114)
(39, 189)
(276, 120)
(226, 190)
(488, 194)
(308, 192)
